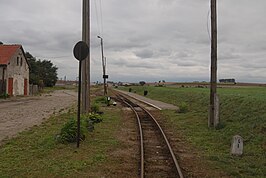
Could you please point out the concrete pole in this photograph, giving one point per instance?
(104, 67)
(213, 63)
(86, 63)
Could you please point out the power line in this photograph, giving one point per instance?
(55, 57)
(208, 25)
(101, 16)
(97, 17)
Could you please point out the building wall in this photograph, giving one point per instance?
(2, 80)
(18, 69)
(1, 72)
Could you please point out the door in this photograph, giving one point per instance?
(25, 87)
(10, 86)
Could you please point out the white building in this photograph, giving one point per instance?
(14, 70)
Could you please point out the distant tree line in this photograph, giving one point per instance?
(42, 72)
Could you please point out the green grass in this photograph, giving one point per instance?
(35, 153)
(54, 88)
(242, 111)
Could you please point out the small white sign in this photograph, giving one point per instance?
(237, 145)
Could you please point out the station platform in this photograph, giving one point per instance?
(157, 104)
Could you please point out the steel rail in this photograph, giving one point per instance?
(141, 140)
(178, 169)
(167, 142)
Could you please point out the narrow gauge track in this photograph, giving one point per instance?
(157, 157)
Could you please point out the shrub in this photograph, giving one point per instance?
(4, 95)
(90, 119)
(142, 83)
(145, 92)
(95, 108)
(96, 118)
(183, 107)
(68, 133)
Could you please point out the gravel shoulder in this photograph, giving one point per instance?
(158, 104)
(18, 114)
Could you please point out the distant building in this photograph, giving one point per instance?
(14, 70)
(227, 80)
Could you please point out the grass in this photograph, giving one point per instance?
(35, 153)
(242, 112)
(54, 88)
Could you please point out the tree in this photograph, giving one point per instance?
(42, 71)
(142, 83)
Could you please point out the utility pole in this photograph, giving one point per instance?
(213, 96)
(104, 68)
(86, 63)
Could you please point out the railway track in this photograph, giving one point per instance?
(157, 158)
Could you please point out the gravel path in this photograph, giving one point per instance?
(158, 104)
(18, 114)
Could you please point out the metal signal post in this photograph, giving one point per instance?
(104, 67)
(81, 51)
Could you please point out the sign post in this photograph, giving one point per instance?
(81, 51)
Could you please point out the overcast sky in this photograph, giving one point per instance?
(147, 40)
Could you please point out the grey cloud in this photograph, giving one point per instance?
(131, 63)
(171, 36)
(146, 53)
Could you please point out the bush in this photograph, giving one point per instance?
(4, 95)
(90, 119)
(96, 118)
(95, 108)
(68, 133)
(142, 83)
(145, 92)
(183, 107)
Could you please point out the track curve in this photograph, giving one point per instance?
(157, 158)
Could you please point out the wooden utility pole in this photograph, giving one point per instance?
(86, 63)
(212, 109)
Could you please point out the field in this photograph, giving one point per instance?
(242, 112)
(36, 153)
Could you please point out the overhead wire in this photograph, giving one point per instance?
(101, 12)
(97, 17)
(208, 23)
(54, 57)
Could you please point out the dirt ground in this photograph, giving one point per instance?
(18, 114)
(125, 159)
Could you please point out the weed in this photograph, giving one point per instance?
(183, 107)
(95, 108)
(68, 132)
(4, 96)
(96, 118)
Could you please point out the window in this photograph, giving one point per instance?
(21, 60)
(17, 61)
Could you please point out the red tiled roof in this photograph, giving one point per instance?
(6, 52)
